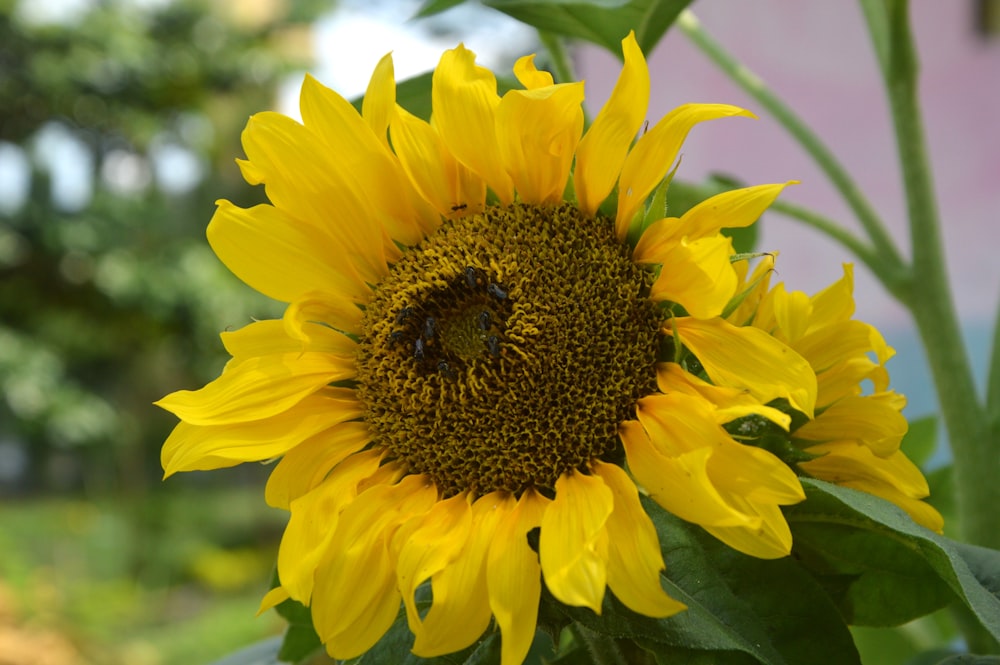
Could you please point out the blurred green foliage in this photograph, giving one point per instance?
(111, 298)
(114, 298)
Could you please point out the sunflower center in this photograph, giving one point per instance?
(505, 349)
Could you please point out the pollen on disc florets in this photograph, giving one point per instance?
(504, 349)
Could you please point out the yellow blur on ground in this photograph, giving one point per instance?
(122, 583)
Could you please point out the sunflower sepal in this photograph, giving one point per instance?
(655, 210)
(755, 430)
(750, 288)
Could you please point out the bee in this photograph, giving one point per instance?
(418, 349)
(483, 321)
(404, 314)
(460, 206)
(493, 345)
(445, 369)
(473, 277)
(430, 327)
(496, 291)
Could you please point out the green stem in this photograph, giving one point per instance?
(754, 86)
(561, 63)
(993, 379)
(976, 462)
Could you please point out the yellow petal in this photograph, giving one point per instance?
(435, 173)
(654, 153)
(278, 256)
(306, 465)
(826, 346)
(750, 359)
(792, 311)
(730, 403)
(754, 474)
(369, 177)
(763, 317)
(464, 98)
(258, 388)
(844, 461)
(634, 559)
(327, 195)
(513, 575)
(921, 512)
(316, 312)
(538, 131)
(697, 275)
(680, 423)
(427, 546)
(313, 522)
(379, 102)
(529, 76)
(378, 108)
(733, 209)
(844, 379)
(270, 337)
(272, 598)
(461, 610)
(753, 290)
(875, 422)
(355, 599)
(680, 483)
(835, 303)
(601, 153)
(192, 447)
(771, 539)
(573, 547)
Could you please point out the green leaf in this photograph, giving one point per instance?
(740, 609)
(908, 643)
(602, 23)
(969, 659)
(432, 7)
(668, 655)
(301, 640)
(801, 621)
(921, 439)
(882, 567)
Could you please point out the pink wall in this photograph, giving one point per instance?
(817, 56)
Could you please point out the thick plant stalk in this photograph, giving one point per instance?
(923, 286)
(976, 458)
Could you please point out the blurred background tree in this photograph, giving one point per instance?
(126, 119)
(118, 125)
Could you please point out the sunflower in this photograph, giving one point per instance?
(465, 388)
(855, 436)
